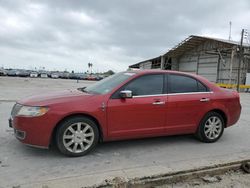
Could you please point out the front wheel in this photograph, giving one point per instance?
(211, 127)
(77, 136)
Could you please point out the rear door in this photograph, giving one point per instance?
(143, 114)
(188, 100)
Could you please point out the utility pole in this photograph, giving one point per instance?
(240, 59)
(230, 29)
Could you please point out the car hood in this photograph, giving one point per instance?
(54, 98)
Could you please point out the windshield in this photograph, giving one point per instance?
(108, 84)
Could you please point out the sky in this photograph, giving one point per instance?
(111, 34)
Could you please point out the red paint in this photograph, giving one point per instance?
(129, 118)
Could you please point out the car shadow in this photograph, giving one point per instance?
(121, 146)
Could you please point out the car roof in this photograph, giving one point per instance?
(152, 71)
(157, 71)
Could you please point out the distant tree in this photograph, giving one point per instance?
(90, 65)
(109, 72)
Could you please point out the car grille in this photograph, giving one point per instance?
(15, 109)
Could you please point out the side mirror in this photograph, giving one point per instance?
(126, 94)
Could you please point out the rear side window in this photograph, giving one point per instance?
(201, 87)
(184, 84)
(146, 85)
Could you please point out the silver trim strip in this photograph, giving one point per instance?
(190, 93)
(159, 95)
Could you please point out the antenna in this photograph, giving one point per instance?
(230, 28)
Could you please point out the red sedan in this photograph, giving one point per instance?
(127, 105)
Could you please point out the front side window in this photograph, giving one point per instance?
(184, 84)
(146, 85)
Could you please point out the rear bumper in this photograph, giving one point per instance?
(234, 115)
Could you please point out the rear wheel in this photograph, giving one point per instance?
(77, 136)
(211, 127)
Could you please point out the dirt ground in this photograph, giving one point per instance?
(232, 179)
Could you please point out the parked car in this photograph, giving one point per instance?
(34, 74)
(73, 76)
(82, 76)
(64, 75)
(98, 77)
(23, 73)
(126, 105)
(48, 74)
(3, 72)
(91, 77)
(43, 75)
(55, 75)
(11, 73)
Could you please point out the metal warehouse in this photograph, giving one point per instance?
(218, 60)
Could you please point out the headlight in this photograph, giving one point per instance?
(32, 111)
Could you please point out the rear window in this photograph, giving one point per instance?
(184, 84)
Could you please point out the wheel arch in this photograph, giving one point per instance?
(222, 113)
(53, 134)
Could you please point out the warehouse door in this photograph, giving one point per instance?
(207, 66)
(188, 63)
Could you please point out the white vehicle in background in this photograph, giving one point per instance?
(33, 74)
(44, 75)
(55, 75)
(3, 72)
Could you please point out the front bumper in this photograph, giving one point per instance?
(34, 131)
(18, 134)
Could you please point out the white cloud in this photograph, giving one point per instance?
(81, 17)
(11, 23)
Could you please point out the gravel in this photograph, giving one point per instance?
(231, 179)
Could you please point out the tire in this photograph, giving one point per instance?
(77, 136)
(211, 127)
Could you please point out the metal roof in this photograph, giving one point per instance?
(191, 42)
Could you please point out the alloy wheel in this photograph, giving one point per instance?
(78, 137)
(213, 127)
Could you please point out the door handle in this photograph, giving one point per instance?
(204, 99)
(158, 103)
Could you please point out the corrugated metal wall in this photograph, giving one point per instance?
(199, 62)
(146, 65)
(207, 67)
(188, 63)
(208, 61)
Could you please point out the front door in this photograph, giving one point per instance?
(142, 115)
